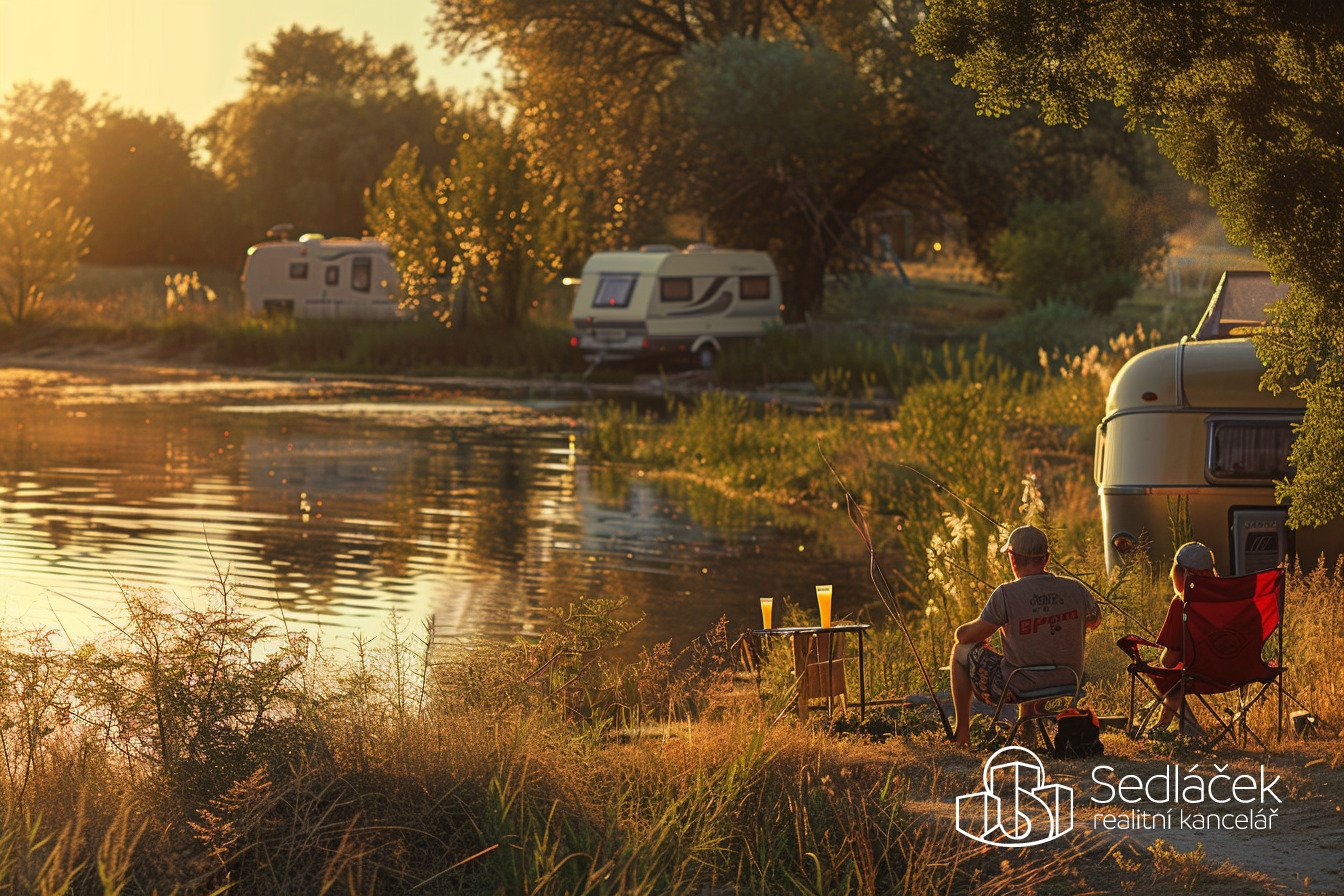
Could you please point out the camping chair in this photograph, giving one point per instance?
(1225, 625)
(1074, 692)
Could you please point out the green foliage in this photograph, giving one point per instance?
(188, 693)
(400, 210)
(46, 127)
(1065, 253)
(41, 240)
(775, 138)
(773, 127)
(318, 57)
(1050, 328)
(840, 363)
(322, 117)
(392, 347)
(149, 201)
(1238, 96)
(480, 239)
(1089, 251)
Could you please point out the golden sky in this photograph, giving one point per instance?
(186, 56)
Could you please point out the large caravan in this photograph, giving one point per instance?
(317, 277)
(1188, 434)
(664, 301)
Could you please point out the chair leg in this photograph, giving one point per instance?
(1045, 735)
(1133, 688)
(1136, 731)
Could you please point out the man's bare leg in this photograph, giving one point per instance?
(961, 693)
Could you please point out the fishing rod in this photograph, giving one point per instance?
(980, 513)
(883, 587)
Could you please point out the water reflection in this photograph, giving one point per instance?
(479, 511)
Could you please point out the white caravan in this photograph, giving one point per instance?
(1188, 430)
(662, 300)
(317, 277)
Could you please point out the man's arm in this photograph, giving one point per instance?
(1093, 618)
(975, 632)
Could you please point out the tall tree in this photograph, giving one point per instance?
(323, 115)
(778, 123)
(44, 128)
(318, 57)
(478, 237)
(600, 90)
(1243, 96)
(148, 199)
(41, 239)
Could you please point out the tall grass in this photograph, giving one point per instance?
(383, 347)
(180, 314)
(199, 750)
(1016, 446)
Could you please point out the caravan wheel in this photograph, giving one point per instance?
(706, 355)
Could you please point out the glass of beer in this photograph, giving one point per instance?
(767, 607)
(824, 604)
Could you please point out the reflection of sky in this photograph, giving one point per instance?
(477, 512)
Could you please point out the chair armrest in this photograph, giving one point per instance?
(1131, 644)
(1041, 668)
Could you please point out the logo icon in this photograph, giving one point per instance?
(1016, 807)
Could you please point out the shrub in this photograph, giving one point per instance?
(1073, 253)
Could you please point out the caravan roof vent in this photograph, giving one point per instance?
(658, 247)
(280, 231)
(311, 237)
(700, 247)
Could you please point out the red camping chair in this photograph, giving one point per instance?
(1225, 625)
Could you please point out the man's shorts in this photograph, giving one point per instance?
(986, 671)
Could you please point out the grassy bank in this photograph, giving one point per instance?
(172, 315)
(876, 339)
(197, 751)
(1015, 445)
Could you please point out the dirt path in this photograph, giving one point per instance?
(1303, 852)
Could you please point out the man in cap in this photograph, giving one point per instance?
(1192, 558)
(1042, 617)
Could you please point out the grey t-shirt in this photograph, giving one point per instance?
(1043, 624)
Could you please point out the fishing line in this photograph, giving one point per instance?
(980, 513)
(883, 587)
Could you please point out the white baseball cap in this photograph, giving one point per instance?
(1026, 541)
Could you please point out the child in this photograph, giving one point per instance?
(1192, 557)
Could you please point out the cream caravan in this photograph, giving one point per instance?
(1187, 428)
(665, 301)
(317, 277)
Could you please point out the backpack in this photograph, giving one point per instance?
(1078, 734)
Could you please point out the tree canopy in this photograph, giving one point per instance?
(323, 115)
(629, 106)
(1243, 96)
(779, 125)
(318, 57)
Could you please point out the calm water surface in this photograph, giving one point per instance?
(334, 503)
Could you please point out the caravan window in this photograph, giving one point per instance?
(755, 287)
(361, 274)
(613, 291)
(1255, 450)
(333, 275)
(675, 289)
(298, 270)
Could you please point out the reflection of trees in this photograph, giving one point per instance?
(484, 527)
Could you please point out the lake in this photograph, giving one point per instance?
(332, 503)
